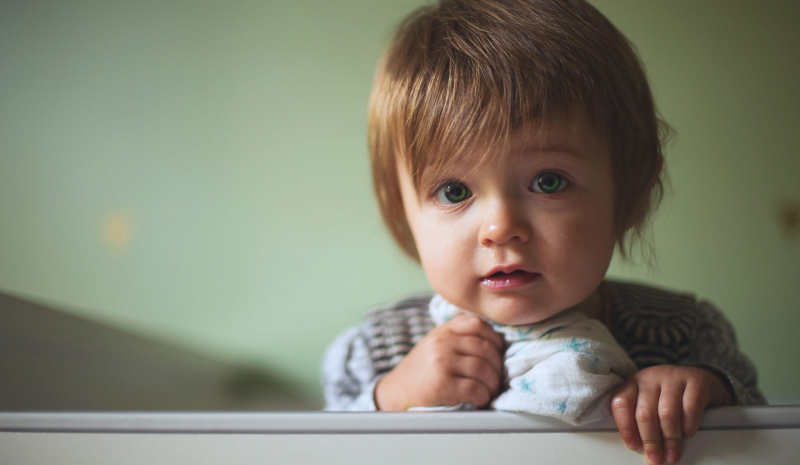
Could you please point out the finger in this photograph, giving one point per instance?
(695, 399)
(474, 326)
(623, 406)
(670, 412)
(476, 368)
(469, 390)
(648, 423)
(480, 347)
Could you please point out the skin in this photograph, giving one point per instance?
(564, 239)
(659, 406)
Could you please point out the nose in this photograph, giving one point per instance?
(504, 223)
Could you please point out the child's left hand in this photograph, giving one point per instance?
(660, 405)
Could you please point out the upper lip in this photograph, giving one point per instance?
(510, 268)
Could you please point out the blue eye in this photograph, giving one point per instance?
(548, 183)
(453, 192)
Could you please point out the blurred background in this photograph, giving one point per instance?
(193, 176)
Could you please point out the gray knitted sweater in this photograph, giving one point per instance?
(655, 327)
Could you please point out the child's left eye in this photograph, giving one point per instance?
(548, 183)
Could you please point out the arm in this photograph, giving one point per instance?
(714, 348)
(348, 377)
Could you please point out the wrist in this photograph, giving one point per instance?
(721, 390)
(384, 397)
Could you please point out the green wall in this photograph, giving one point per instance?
(197, 171)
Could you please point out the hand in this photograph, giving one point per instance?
(458, 361)
(660, 405)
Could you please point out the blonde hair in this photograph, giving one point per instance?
(465, 70)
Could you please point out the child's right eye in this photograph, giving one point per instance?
(453, 192)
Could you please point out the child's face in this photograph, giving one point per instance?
(524, 236)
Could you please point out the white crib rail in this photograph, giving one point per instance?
(729, 418)
(732, 435)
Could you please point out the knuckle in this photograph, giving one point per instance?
(651, 443)
(668, 415)
(431, 344)
(472, 365)
(438, 340)
(644, 416)
(672, 443)
(493, 381)
(478, 394)
(621, 401)
(471, 323)
(619, 405)
(499, 367)
(465, 389)
(692, 405)
(473, 344)
(486, 347)
(439, 361)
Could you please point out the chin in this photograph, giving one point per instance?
(517, 315)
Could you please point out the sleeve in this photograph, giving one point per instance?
(348, 376)
(714, 348)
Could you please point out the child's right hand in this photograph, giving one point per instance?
(458, 361)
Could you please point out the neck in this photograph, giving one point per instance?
(594, 306)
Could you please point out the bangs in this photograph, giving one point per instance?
(457, 92)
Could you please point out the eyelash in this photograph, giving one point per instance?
(439, 191)
(563, 182)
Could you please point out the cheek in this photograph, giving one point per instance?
(594, 230)
(581, 244)
(444, 251)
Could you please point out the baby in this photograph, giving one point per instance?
(515, 145)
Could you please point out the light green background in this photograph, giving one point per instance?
(231, 137)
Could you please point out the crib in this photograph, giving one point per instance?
(731, 435)
(63, 376)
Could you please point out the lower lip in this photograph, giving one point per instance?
(509, 281)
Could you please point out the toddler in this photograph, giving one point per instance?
(514, 145)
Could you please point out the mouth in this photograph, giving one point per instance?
(509, 279)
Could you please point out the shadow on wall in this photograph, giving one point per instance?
(54, 361)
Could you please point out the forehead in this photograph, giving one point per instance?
(570, 136)
(573, 137)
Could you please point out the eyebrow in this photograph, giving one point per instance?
(552, 148)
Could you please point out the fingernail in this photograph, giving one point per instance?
(634, 445)
(672, 456)
(654, 459)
